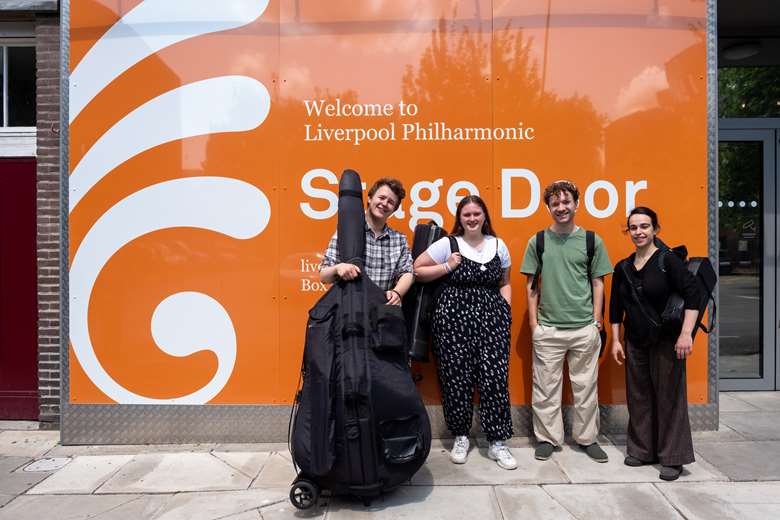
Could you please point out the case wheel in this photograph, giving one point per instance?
(304, 494)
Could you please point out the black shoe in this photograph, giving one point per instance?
(670, 472)
(544, 451)
(633, 461)
(595, 452)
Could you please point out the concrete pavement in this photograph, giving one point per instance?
(736, 475)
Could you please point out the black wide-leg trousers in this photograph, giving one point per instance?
(658, 426)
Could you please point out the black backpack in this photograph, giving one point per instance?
(706, 279)
(590, 249)
(671, 319)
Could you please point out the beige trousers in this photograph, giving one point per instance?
(581, 348)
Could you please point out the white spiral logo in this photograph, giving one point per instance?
(185, 322)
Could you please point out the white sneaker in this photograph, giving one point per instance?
(460, 449)
(501, 454)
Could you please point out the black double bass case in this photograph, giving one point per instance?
(358, 427)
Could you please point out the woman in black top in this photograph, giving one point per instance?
(658, 427)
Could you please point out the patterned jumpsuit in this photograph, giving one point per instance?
(471, 326)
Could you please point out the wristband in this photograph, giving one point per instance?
(447, 267)
(399, 294)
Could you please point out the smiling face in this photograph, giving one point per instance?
(562, 207)
(472, 218)
(383, 203)
(641, 229)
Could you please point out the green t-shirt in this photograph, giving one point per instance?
(566, 300)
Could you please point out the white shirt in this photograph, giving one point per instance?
(440, 251)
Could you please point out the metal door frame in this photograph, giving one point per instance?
(765, 130)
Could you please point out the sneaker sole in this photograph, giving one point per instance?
(457, 461)
(600, 460)
(500, 465)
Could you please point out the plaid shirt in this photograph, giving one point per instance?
(387, 256)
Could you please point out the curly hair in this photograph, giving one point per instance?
(559, 187)
(394, 185)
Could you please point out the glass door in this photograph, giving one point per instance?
(746, 219)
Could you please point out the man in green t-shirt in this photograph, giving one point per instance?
(565, 313)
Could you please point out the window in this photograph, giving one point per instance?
(17, 85)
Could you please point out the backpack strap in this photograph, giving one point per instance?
(709, 329)
(590, 248)
(443, 280)
(649, 313)
(539, 253)
(453, 244)
(680, 251)
(713, 315)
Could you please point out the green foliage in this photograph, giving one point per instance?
(749, 92)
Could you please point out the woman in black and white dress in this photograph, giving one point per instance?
(471, 329)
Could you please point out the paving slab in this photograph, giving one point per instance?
(430, 503)
(731, 402)
(438, 470)
(526, 502)
(744, 461)
(757, 426)
(4, 499)
(277, 472)
(71, 507)
(761, 400)
(735, 500)
(248, 515)
(580, 469)
(19, 425)
(140, 508)
(248, 463)
(33, 444)
(210, 506)
(173, 472)
(285, 454)
(255, 447)
(724, 433)
(613, 501)
(129, 449)
(82, 476)
(9, 464)
(17, 482)
(286, 511)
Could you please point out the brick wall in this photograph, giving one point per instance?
(47, 42)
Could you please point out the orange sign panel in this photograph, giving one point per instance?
(206, 139)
